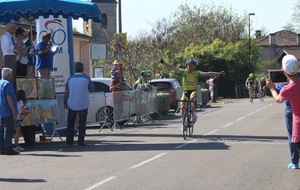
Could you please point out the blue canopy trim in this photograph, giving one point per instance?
(33, 9)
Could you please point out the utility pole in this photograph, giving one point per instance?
(249, 43)
(120, 16)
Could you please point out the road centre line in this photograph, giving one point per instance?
(101, 183)
(211, 132)
(250, 113)
(240, 118)
(259, 109)
(227, 125)
(180, 146)
(147, 161)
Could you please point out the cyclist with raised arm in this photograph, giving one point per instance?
(249, 85)
(189, 82)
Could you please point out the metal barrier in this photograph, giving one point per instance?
(134, 103)
(97, 100)
(109, 109)
(179, 93)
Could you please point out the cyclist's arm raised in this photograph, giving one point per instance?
(212, 74)
(169, 66)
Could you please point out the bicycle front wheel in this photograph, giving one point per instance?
(185, 125)
(191, 124)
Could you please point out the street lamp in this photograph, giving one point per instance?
(249, 42)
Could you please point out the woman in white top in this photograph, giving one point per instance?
(21, 58)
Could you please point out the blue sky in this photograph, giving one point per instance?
(138, 15)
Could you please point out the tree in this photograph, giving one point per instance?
(294, 25)
(231, 57)
(213, 35)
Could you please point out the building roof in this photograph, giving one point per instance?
(295, 52)
(283, 38)
(104, 1)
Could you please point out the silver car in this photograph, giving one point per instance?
(105, 114)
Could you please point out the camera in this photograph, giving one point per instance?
(277, 76)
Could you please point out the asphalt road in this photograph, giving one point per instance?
(236, 145)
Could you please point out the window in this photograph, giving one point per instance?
(100, 87)
(104, 20)
(161, 85)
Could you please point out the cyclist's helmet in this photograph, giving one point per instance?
(251, 75)
(144, 73)
(191, 62)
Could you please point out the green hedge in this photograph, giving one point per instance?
(205, 96)
(163, 103)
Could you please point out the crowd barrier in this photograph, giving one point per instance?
(109, 109)
(136, 103)
(112, 109)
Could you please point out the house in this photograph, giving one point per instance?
(276, 45)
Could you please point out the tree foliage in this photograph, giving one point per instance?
(216, 37)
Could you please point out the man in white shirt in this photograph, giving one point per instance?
(9, 48)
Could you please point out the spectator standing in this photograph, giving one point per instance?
(22, 59)
(215, 88)
(288, 116)
(77, 100)
(142, 83)
(290, 92)
(44, 62)
(210, 83)
(9, 48)
(117, 84)
(8, 112)
(31, 58)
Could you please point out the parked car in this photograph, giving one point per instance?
(102, 85)
(167, 86)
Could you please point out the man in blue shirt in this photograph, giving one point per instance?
(8, 112)
(77, 100)
(44, 62)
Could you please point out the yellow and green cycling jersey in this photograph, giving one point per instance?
(190, 80)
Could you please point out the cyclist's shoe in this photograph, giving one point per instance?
(195, 117)
(293, 166)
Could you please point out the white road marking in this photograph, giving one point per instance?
(211, 132)
(227, 125)
(240, 118)
(250, 113)
(259, 109)
(147, 161)
(101, 183)
(180, 146)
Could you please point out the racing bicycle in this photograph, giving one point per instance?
(187, 121)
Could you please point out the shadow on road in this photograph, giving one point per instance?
(244, 138)
(22, 180)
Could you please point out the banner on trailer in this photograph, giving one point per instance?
(59, 36)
